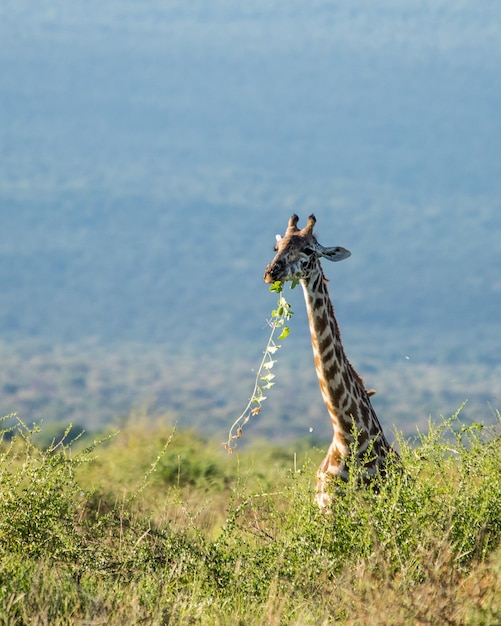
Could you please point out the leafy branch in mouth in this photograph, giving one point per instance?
(265, 378)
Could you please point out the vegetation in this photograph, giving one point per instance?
(264, 377)
(155, 526)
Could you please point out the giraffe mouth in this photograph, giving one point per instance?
(273, 277)
(272, 274)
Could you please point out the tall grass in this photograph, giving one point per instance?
(157, 527)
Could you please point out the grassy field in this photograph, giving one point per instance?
(151, 526)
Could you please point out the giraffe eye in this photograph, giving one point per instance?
(308, 250)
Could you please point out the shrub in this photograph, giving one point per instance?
(38, 497)
(421, 548)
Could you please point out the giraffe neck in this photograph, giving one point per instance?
(342, 388)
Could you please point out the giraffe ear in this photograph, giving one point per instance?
(334, 254)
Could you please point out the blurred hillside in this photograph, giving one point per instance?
(151, 151)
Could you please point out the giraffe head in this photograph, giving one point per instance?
(298, 252)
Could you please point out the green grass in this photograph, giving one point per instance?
(152, 526)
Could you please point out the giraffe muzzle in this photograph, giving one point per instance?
(273, 272)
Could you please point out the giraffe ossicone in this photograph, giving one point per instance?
(357, 435)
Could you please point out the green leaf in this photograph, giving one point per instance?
(277, 287)
(285, 333)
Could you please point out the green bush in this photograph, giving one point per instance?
(218, 541)
(38, 498)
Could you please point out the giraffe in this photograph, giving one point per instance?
(357, 430)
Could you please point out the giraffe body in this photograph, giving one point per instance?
(357, 430)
